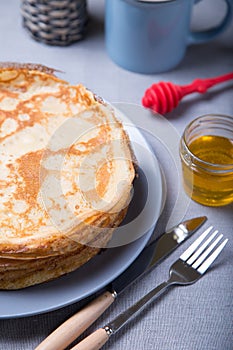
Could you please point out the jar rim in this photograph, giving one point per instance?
(205, 164)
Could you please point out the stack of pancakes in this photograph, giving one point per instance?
(66, 173)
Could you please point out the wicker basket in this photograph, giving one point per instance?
(55, 22)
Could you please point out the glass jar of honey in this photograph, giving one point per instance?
(206, 151)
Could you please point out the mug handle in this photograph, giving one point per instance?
(203, 36)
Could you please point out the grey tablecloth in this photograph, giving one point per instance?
(195, 317)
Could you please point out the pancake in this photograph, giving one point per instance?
(66, 173)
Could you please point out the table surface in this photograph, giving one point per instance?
(195, 317)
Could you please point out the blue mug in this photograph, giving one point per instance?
(152, 36)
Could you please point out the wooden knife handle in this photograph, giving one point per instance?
(76, 325)
(94, 341)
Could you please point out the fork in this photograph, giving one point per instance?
(191, 265)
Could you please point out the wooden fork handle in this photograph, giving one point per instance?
(94, 341)
(76, 325)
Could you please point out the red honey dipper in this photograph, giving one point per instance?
(163, 97)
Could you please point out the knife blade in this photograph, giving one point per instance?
(147, 259)
(156, 251)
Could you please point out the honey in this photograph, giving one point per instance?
(206, 152)
(213, 149)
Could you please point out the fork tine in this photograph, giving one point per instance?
(188, 252)
(206, 252)
(206, 264)
(201, 249)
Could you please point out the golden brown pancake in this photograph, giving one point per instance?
(66, 172)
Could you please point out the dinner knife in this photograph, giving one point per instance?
(147, 259)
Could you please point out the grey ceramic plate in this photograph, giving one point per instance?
(141, 219)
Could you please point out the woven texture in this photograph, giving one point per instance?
(55, 22)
